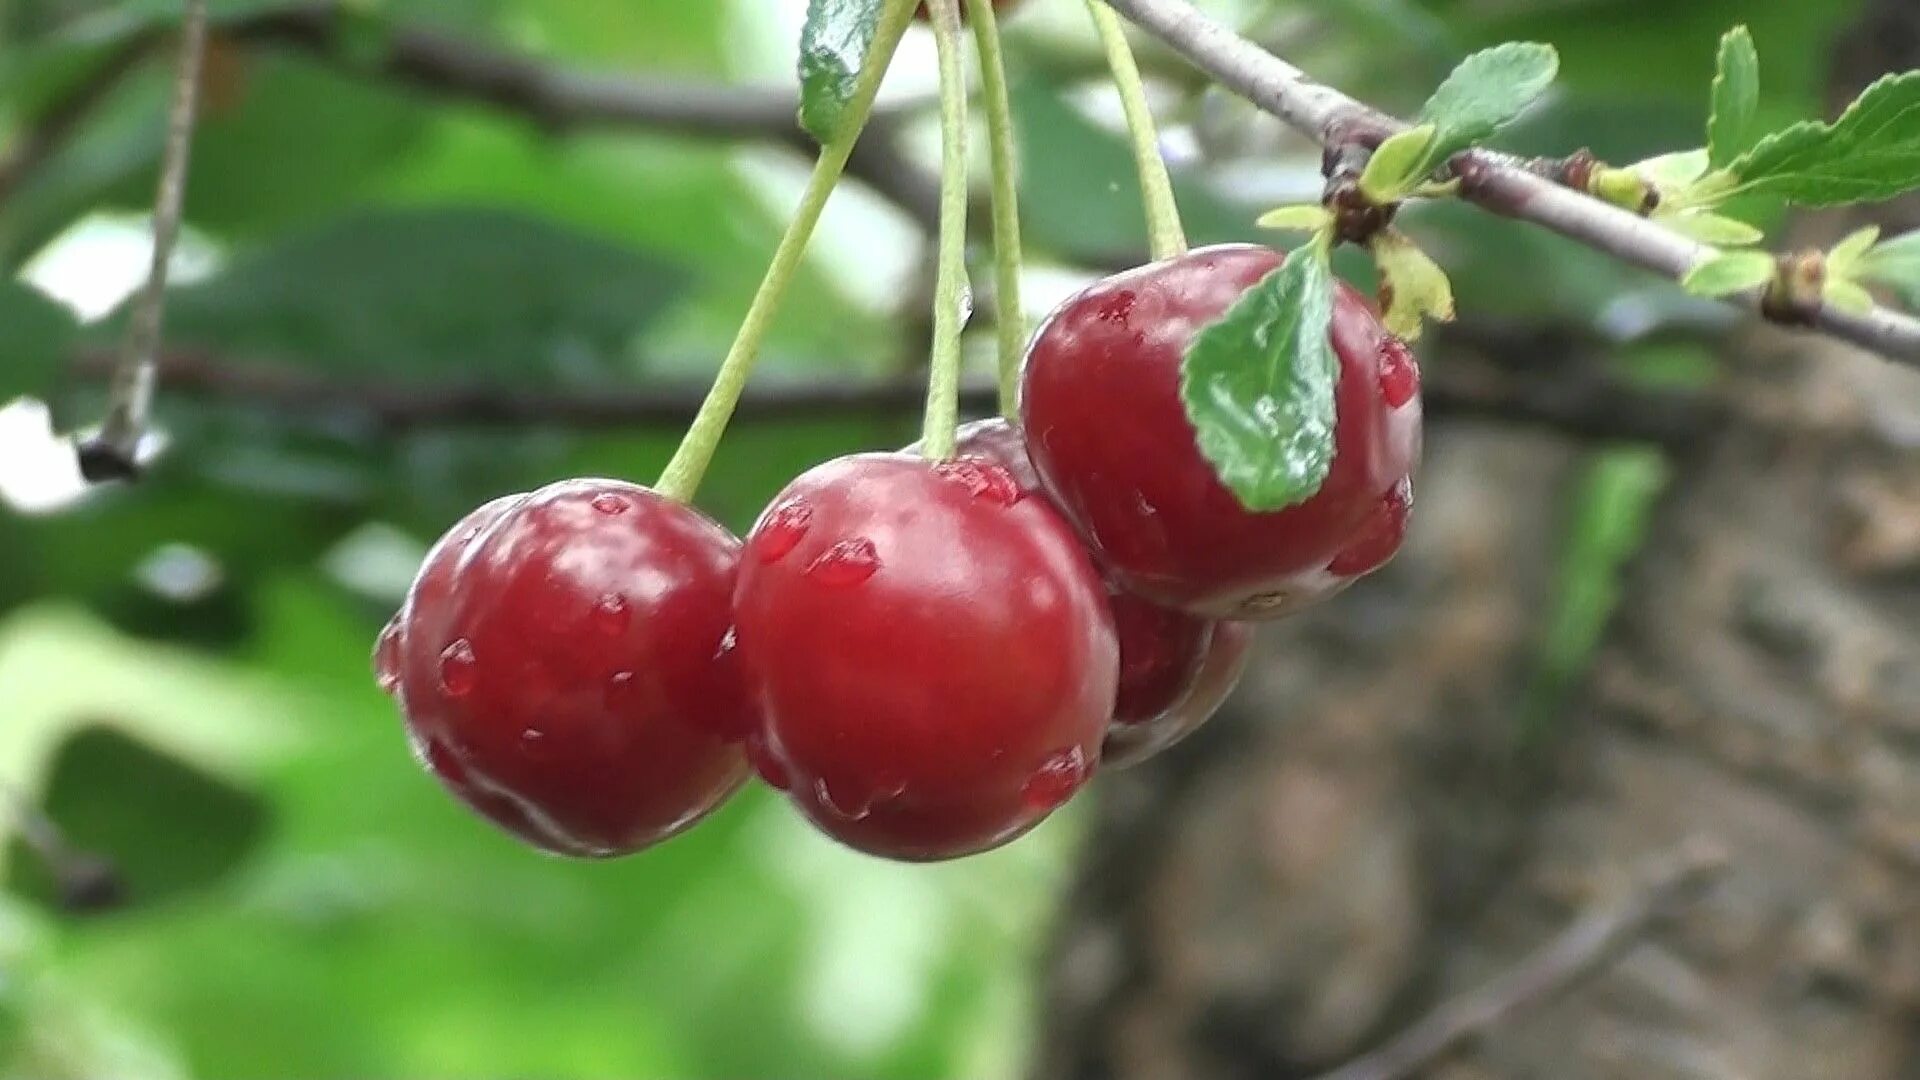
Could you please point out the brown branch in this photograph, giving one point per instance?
(1580, 952)
(1596, 408)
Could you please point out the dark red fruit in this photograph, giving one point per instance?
(565, 666)
(1160, 649)
(1226, 660)
(1100, 403)
(965, 6)
(932, 649)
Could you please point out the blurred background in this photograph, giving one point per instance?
(1663, 582)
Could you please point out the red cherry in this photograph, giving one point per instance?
(933, 653)
(564, 666)
(1225, 662)
(1160, 649)
(1100, 402)
(1380, 538)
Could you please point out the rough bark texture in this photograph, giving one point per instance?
(1369, 831)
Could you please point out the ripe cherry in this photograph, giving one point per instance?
(564, 666)
(1220, 671)
(932, 650)
(1161, 649)
(1100, 402)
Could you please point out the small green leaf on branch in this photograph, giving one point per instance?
(1871, 153)
(834, 43)
(1674, 172)
(1413, 287)
(1300, 217)
(1895, 264)
(1488, 89)
(1736, 98)
(1730, 272)
(1710, 228)
(1258, 385)
(1847, 296)
(1396, 165)
(1844, 260)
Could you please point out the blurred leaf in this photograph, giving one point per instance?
(1872, 152)
(834, 45)
(1484, 93)
(36, 335)
(1413, 285)
(1730, 273)
(1848, 297)
(1896, 264)
(1258, 386)
(1711, 228)
(1392, 171)
(1306, 217)
(1736, 98)
(1845, 257)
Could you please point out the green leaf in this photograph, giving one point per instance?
(1847, 296)
(1487, 90)
(1710, 228)
(1674, 172)
(834, 45)
(35, 337)
(1396, 165)
(1871, 153)
(1258, 386)
(1896, 264)
(1415, 286)
(1730, 273)
(1305, 217)
(1845, 257)
(1736, 98)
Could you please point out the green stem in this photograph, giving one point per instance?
(1164, 236)
(683, 473)
(1006, 201)
(950, 284)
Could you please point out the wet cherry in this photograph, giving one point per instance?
(1100, 403)
(1226, 660)
(562, 665)
(932, 649)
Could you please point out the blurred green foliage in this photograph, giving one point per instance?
(303, 901)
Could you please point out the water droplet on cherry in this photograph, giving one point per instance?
(840, 806)
(1399, 373)
(620, 690)
(458, 670)
(786, 524)
(608, 503)
(846, 563)
(729, 641)
(1056, 780)
(982, 479)
(612, 615)
(386, 657)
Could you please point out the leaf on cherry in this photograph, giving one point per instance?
(1871, 153)
(1258, 386)
(1485, 92)
(1416, 288)
(1730, 273)
(1736, 98)
(834, 44)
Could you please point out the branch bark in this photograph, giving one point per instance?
(1494, 182)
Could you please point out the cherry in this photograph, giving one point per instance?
(1100, 402)
(1220, 671)
(564, 666)
(932, 649)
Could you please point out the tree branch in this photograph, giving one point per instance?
(1577, 954)
(1597, 408)
(1492, 181)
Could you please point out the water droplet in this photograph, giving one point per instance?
(1056, 780)
(620, 690)
(848, 562)
(608, 503)
(982, 479)
(840, 806)
(729, 641)
(386, 657)
(782, 530)
(533, 741)
(458, 670)
(1399, 373)
(612, 615)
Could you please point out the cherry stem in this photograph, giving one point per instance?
(1165, 238)
(113, 452)
(1006, 200)
(950, 283)
(681, 478)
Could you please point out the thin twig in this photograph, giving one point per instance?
(1580, 952)
(113, 453)
(1492, 181)
(1598, 408)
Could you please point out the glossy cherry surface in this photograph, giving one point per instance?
(565, 667)
(1225, 662)
(932, 649)
(1100, 404)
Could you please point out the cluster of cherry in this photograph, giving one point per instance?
(927, 656)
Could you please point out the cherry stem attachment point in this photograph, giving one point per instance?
(950, 299)
(113, 452)
(688, 466)
(1006, 200)
(1165, 237)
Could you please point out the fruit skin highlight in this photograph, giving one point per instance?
(932, 650)
(1220, 669)
(564, 665)
(1106, 429)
